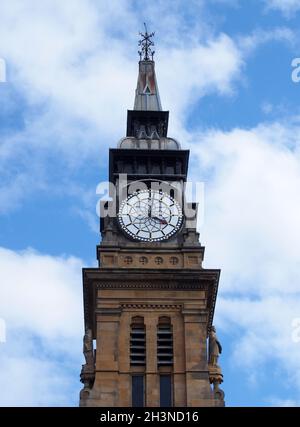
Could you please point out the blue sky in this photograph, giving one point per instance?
(224, 73)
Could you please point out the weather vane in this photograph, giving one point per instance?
(146, 44)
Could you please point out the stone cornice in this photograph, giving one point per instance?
(160, 249)
(151, 306)
(95, 279)
(92, 274)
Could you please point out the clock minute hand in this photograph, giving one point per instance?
(149, 207)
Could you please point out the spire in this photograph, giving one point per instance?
(146, 94)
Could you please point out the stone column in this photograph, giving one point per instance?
(152, 380)
(124, 360)
(106, 387)
(198, 389)
(179, 382)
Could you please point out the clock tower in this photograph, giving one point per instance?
(149, 305)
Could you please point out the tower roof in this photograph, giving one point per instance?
(146, 94)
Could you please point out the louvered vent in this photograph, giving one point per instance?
(164, 343)
(137, 343)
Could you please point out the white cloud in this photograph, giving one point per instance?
(259, 37)
(41, 304)
(267, 107)
(263, 328)
(286, 403)
(72, 64)
(39, 291)
(80, 68)
(288, 7)
(253, 203)
(204, 69)
(251, 227)
(35, 380)
(65, 58)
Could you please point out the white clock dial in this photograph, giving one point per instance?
(150, 215)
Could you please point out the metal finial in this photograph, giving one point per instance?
(146, 52)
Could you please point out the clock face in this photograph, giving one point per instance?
(150, 215)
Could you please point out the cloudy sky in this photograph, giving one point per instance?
(224, 73)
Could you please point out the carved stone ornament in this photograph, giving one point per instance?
(214, 346)
(87, 375)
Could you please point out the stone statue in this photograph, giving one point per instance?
(214, 347)
(87, 375)
(88, 350)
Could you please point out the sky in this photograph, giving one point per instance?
(224, 70)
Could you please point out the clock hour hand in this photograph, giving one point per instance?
(161, 220)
